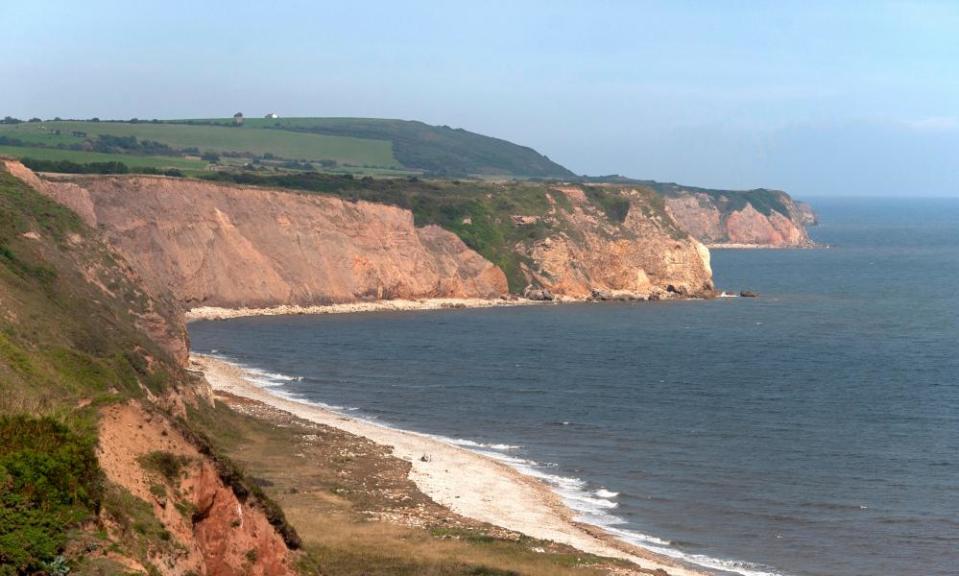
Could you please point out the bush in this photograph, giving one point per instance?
(49, 483)
(68, 167)
(168, 465)
(615, 206)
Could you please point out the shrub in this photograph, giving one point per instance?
(168, 465)
(49, 483)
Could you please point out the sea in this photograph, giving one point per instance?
(812, 431)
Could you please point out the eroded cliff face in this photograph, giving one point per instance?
(234, 246)
(719, 219)
(238, 246)
(646, 256)
(211, 530)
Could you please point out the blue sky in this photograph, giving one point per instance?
(831, 98)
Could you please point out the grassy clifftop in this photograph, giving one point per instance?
(434, 149)
(353, 145)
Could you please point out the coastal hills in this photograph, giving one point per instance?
(101, 256)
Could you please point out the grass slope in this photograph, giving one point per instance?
(215, 138)
(435, 149)
(376, 146)
(79, 156)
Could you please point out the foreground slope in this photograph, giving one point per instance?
(100, 474)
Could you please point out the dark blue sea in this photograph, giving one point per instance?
(811, 431)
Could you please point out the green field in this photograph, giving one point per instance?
(440, 150)
(367, 146)
(133, 161)
(221, 139)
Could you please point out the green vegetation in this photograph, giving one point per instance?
(68, 167)
(763, 200)
(438, 150)
(193, 138)
(49, 483)
(82, 157)
(62, 341)
(169, 466)
(352, 145)
(615, 206)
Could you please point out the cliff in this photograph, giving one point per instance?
(631, 249)
(760, 218)
(233, 245)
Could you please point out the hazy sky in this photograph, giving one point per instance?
(814, 98)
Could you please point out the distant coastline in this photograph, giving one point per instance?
(399, 305)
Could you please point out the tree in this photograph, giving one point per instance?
(210, 156)
(238, 119)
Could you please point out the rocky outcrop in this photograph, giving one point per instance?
(759, 218)
(234, 246)
(587, 253)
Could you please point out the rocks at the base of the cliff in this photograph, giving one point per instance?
(601, 295)
(538, 294)
(748, 294)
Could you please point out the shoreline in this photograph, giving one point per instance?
(417, 305)
(743, 246)
(464, 481)
(398, 305)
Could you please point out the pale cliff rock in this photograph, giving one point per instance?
(234, 246)
(720, 218)
(645, 255)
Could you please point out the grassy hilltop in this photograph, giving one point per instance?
(362, 146)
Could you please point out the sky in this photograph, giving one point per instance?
(816, 98)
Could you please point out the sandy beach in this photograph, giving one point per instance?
(215, 313)
(467, 483)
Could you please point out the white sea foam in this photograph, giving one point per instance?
(595, 508)
(472, 444)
